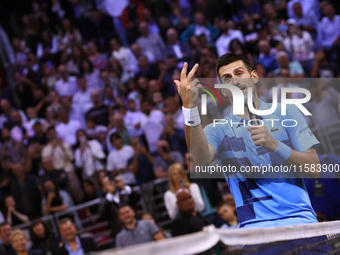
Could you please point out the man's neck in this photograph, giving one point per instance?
(256, 101)
(131, 225)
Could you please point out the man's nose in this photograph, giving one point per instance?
(235, 81)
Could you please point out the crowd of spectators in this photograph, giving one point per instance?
(88, 108)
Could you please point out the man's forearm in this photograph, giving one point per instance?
(198, 145)
(305, 160)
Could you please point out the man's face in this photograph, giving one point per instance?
(5, 232)
(68, 231)
(126, 215)
(146, 108)
(237, 74)
(185, 202)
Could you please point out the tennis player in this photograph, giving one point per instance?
(260, 202)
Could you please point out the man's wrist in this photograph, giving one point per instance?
(282, 152)
(191, 116)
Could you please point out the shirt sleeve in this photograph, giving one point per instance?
(153, 229)
(197, 196)
(170, 204)
(301, 137)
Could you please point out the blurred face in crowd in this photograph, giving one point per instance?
(18, 170)
(64, 115)
(297, 10)
(146, 107)
(329, 11)
(95, 98)
(68, 231)
(136, 50)
(48, 164)
(63, 72)
(132, 105)
(172, 35)
(9, 202)
(82, 83)
(49, 186)
(5, 232)
(5, 134)
(117, 142)
(114, 44)
(264, 46)
(143, 62)
(88, 189)
(283, 61)
(126, 215)
(19, 242)
(185, 202)
(5, 105)
(199, 18)
(39, 230)
(157, 97)
(92, 48)
(16, 118)
(143, 28)
(226, 212)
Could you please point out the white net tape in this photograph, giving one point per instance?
(203, 240)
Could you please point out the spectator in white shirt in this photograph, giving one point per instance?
(66, 85)
(132, 119)
(228, 34)
(123, 55)
(152, 125)
(88, 156)
(81, 101)
(177, 180)
(117, 161)
(67, 128)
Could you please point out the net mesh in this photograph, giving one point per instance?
(314, 239)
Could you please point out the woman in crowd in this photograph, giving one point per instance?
(19, 241)
(42, 238)
(177, 180)
(13, 216)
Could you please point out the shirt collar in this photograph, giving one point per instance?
(236, 119)
(78, 245)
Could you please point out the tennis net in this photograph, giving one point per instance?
(314, 239)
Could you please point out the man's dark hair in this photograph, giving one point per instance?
(229, 58)
(116, 136)
(34, 238)
(65, 220)
(124, 205)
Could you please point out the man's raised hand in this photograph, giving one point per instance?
(187, 90)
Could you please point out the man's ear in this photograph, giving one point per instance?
(254, 76)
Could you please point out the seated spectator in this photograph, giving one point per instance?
(59, 177)
(199, 27)
(179, 180)
(54, 198)
(5, 232)
(295, 68)
(188, 220)
(266, 58)
(47, 46)
(91, 193)
(13, 216)
(151, 124)
(329, 28)
(224, 41)
(117, 125)
(81, 101)
(175, 136)
(180, 50)
(67, 127)
(299, 44)
(98, 60)
(42, 238)
(116, 193)
(88, 156)
(19, 129)
(99, 112)
(94, 131)
(132, 119)
(11, 150)
(323, 68)
(62, 156)
(135, 231)
(19, 241)
(117, 160)
(33, 162)
(91, 75)
(7, 111)
(73, 244)
(131, 16)
(227, 213)
(26, 190)
(66, 85)
(151, 42)
(165, 158)
(141, 164)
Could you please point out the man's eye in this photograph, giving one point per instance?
(239, 73)
(226, 79)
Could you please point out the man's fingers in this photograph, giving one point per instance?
(193, 71)
(184, 72)
(177, 83)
